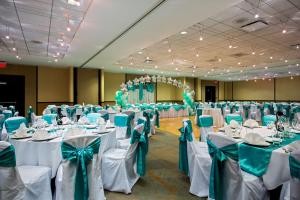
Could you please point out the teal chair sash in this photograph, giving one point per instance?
(8, 157)
(219, 155)
(148, 116)
(128, 123)
(71, 112)
(294, 167)
(14, 123)
(7, 114)
(29, 114)
(246, 110)
(186, 135)
(105, 116)
(142, 121)
(121, 120)
(157, 118)
(198, 114)
(49, 117)
(205, 121)
(268, 119)
(237, 118)
(81, 157)
(141, 151)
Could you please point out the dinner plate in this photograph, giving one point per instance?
(110, 127)
(91, 126)
(45, 139)
(266, 144)
(101, 132)
(23, 137)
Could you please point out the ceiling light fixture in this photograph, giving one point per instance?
(183, 32)
(219, 59)
(140, 52)
(7, 37)
(253, 53)
(68, 28)
(284, 31)
(57, 53)
(55, 60)
(169, 50)
(253, 65)
(285, 61)
(62, 44)
(14, 49)
(155, 66)
(266, 67)
(256, 16)
(297, 65)
(271, 57)
(197, 55)
(230, 46)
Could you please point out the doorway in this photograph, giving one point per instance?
(12, 92)
(210, 93)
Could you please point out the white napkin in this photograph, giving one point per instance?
(234, 124)
(73, 132)
(40, 134)
(40, 123)
(100, 121)
(228, 131)
(21, 131)
(255, 139)
(83, 120)
(251, 123)
(65, 120)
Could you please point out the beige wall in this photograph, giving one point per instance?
(221, 91)
(30, 81)
(287, 89)
(166, 92)
(198, 90)
(87, 86)
(251, 90)
(228, 91)
(112, 82)
(54, 84)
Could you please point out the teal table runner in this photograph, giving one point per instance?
(255, 160)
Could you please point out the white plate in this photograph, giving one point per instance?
(101, 132)
(23, 137)
(45, 139)
(91, 126)
(265, 144)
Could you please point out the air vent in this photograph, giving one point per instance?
(238, 55)
(36, 42)
(255, 26)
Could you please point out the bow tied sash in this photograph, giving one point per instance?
(8, 157)
(148, 116)
(157, 118)
(219, 155)
(294, 167)
(140, 138)
(186, 135)
(82, 157)
(128, 123)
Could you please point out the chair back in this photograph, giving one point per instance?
(81, 168)
(13, 123)
(49, 118)
(11, 184)
(205, 124)
(93, 117)
(268, 119)
(120, 122)
(235, 117)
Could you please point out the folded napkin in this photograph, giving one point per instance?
(101, 121)
(251, 123)
(83, 120)
(40, 134)
(228, 131)
(66, 120)
(234, 124)
(40, 123)
(21, 131)
(255, 139)
(73, 132)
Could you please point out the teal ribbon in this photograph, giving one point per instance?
(261, 108)
(71, 111)
(8, 157)
(141, 151)
(186, 135)
(148, 116)
(150, 87)
(128, 123)
(205, 121)
(255, 160)
(142, 121)
(219, 155)
(49, 117)
(159, 107)
(246, 108)
(294, 167)
(238, 118)
(105, 116)
(80, 156)
(198, 114)
(141, 91)
(268, 119)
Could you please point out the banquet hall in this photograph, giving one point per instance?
(152, 99)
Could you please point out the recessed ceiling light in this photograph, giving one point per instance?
(241, 71)
(172, 63)
(169, 50)
(193, 71)
(227, 70)
(197, 55)
(253, 53)
(201, 38)
(219, 59)
(255, 80)
(297, 65)
(131, 63)
(263, 79)
(62, 44)
(297, 47)
(286, 61)
(253, 65)
(147, 58)
(55, 60)
(176, 69)
(58, 53)
(17, 56)
(208, 72)
(283, 31)
(239, 63)
(289, 72)
(14, 49)
(256, 16)
(7, 37)
(266, 67)
(68, 29)
(140, 52)
(271, 57)
(194, 67)
(155, 66)
(230, 46)
(183, 32)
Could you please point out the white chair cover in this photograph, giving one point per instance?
(121, 127)
(24, 182)
(237, 184)
(119, 167)
(66, 174)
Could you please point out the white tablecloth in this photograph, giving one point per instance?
(216, 113)
(48, 153)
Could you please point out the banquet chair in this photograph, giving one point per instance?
(13, 123)
(93, 117)
(121, 168)
(235, 117)
(150, 122)
(124, 143)
(290, 190)
(121, 126)
(7, 114)
(79, 174)
(268, 119)
(104, 114)
(206, 126)
(22, 182)
(194, 160)
(49, 118)
(198, 114)
(227, 181)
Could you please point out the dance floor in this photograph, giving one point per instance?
(163, 179)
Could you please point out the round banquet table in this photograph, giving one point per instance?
(216, 114)
(48, 153)
(278, 171)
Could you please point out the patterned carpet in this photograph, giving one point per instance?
(163, 181)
